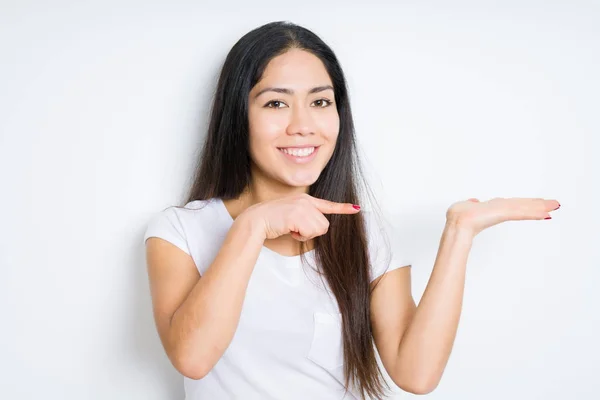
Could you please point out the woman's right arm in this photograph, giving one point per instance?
(196, 318)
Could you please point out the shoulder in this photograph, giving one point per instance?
(178, 224)
(377, 231)
(192, 210)
(377, 227)
(384, 254)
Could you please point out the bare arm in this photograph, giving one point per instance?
(415, 342)
(197, 317)
(426, 344)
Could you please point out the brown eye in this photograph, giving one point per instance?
(328, 103)
(273, 102)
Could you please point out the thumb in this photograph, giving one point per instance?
(299, 237)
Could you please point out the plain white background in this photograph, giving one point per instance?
(103, 106)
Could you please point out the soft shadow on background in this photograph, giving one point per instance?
(104, 107)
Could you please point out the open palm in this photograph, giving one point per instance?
(477, 216)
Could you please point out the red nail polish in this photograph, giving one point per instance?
(548, 218)
(356, 207)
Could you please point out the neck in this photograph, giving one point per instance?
(263, 188)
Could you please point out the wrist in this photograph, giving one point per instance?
(250, 223)
(460, 228)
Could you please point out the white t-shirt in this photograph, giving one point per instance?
(288, 344)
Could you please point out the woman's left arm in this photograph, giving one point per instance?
(415, 342)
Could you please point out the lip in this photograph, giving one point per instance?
(299, 160)
(300, 147)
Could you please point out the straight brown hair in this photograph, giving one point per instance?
(223, 171)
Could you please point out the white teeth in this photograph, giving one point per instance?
(299, 152)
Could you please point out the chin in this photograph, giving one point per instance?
(301, 178)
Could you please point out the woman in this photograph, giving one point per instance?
(268, 283)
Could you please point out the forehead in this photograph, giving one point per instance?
(295, 68)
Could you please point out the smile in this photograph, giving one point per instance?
(299, 155)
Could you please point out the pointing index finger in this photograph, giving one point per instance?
(331, 207)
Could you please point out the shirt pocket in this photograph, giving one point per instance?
(327, 348)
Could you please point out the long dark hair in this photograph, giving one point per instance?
(223, 171)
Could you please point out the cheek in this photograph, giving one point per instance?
(264, 127)
(330, 128)
(258, 147)
(263, 132)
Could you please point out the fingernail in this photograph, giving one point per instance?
(356, 207)
(548, 218)
(557, 207)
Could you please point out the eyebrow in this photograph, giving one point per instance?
(290, 91)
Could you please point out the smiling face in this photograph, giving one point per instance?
(293, 120)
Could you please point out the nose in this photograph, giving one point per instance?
(301, 122)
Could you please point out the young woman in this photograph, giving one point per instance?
(268, 284)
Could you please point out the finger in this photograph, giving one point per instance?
(529, 208)
(552, 205)
(545, 205)
(315, 225)
(330, 207)
(299, 237)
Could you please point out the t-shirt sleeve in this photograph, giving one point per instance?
(167, 225)
(385, 257)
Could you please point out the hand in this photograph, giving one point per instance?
(477, 216)
(299, 215)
